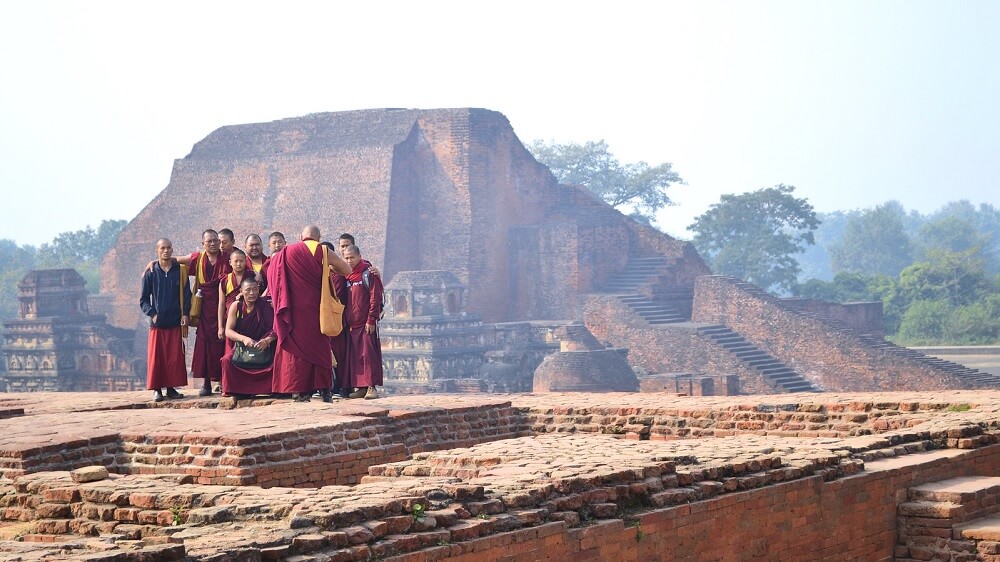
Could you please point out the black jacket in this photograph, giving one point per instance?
(161, 296)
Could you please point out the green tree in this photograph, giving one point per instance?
(977, 323)
(755, 236)
(874, 242)
(815, 260)
(81, 250)
(639, 189)
(924, 322)
(15, 262)
(845, 287)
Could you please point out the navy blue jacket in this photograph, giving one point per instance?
(161, 292)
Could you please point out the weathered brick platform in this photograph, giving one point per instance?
(512, 477)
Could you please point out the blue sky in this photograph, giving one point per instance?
(854, 103)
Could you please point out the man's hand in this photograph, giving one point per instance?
(184, 320)
(222, 333)
(374, 271)
(370, 328)
(154, 319)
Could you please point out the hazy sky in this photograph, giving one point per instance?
(853, 102)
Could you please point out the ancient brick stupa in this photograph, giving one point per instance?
(57, 344)
(582, 364)
(443, 189)
(455, 190)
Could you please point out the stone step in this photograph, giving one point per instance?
(957, 490)
(665, 319)
(985, 529)
(800, 387)
(757, 359)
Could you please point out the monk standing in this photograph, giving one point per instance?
(256, 259)
(275, 242)
(209, 267)
(161, 302)
(364, 350)
(227, 240)
(229, 288)
(302, 361)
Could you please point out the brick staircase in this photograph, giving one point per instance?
(954, 519)
(639, 271)
(964, 373)
(961, 371)
(757, 359)
(652, 311)
(642, 271)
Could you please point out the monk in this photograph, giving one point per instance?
(364, 308)
(227, 240)
(229, 288)
(161, 301)
(338, 343)
(250, 321)
(302, 361)
(256, 259)
(209, 267)
(275, 242)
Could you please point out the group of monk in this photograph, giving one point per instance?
(268, 305)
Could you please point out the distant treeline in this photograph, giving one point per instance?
(937, 275)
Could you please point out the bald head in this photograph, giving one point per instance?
(164, 253)
(310, 232)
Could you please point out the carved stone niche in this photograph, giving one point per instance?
(425, 293)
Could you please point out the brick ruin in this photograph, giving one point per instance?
(454, 191)
(56, 344)
(520, 477)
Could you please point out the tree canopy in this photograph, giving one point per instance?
(873, 242)
(638, 189)
(754, 236)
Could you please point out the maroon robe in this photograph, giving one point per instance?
(302, 361)
(364, 350)
(259, 269)
(231, 288)
(165, 359)
(257, 325)
(338, 343)
(208, 348)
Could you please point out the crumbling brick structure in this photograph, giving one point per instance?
(455, 190)
(55, 343)
(446, 189)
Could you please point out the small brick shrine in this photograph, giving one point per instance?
(56, 344)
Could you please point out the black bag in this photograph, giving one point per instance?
(246, 357)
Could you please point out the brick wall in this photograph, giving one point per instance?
(864, 317)
(661, 349)
(337, 452)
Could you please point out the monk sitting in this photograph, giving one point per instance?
(250, 322)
